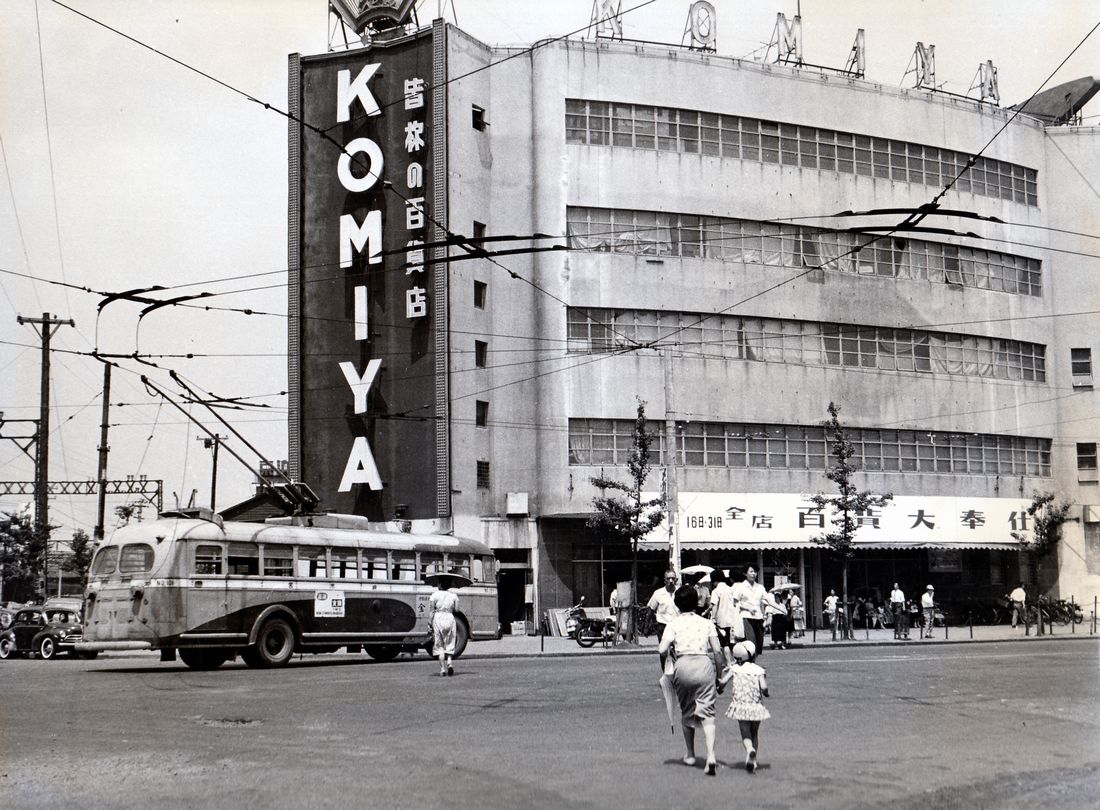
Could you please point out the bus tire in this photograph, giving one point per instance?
(203, 659)
(382, 652)
(274, 645)
(462, 636)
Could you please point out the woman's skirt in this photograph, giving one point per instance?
(693, 681)
(443, 633)
(779, 629)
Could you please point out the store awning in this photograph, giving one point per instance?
(773, 545)
(766, 520)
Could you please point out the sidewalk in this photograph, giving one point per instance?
(559, 646)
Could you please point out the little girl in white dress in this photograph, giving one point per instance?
(749, 688)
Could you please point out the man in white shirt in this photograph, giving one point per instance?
(664, 609)
(1018, 598)
(928, 605)
(749, 595)
(897, 610)
(722, 611)
(831, 602)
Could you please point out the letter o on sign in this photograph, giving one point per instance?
(701, 17)
(360, 146)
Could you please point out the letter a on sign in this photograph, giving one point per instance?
(361, 468)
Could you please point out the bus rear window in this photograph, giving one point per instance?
(135, 558)
(244, 559)
(208, 560)
(105, 561)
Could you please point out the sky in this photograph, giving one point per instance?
(123, 169)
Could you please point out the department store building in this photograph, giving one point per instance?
(698, 233)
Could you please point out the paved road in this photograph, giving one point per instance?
(983, 725)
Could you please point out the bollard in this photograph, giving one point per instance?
(1072, 615)
(970, 616)
(945, 628)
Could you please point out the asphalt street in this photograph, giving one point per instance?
(1008, 724)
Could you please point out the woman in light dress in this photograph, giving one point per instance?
(694, 646)
(443, 603)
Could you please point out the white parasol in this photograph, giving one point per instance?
(672, 703)
(697, 569)
(790, 586)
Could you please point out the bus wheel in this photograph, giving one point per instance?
(462, 636)
(274, 645)
(382, 652)
(203, 659)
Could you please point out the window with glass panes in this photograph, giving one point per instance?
(654, 233)
(810, 343)
(804, 447)
(665, 129)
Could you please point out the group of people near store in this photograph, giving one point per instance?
(898, 613)
(710, 636)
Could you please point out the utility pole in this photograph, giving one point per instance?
(214, 442)
(45, 326)
(671, 463)
(101, 517)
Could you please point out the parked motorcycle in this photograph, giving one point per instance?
(588, 631)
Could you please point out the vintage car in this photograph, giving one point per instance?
(44, 632)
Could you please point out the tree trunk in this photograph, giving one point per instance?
(847, 607)
(632, 633)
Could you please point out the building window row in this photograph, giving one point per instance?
(809, 343)
(802, 447)
(655, 233)
(691, 131)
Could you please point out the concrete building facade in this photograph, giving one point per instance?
(726, 267)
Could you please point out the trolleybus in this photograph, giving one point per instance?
(213, 589)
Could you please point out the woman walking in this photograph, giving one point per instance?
(693, 644)
(443, 603)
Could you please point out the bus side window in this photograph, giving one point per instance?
(345, 563)
(459, 564)
(208, 560)
(490, 566)
(431, 562)
(312, 562)
(278, 561)
(375, 565)
(244, 559)
(404, 565)
(105, 561)
(479, 570)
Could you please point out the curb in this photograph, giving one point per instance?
(824, 645)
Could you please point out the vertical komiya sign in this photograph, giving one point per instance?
(366, 359)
